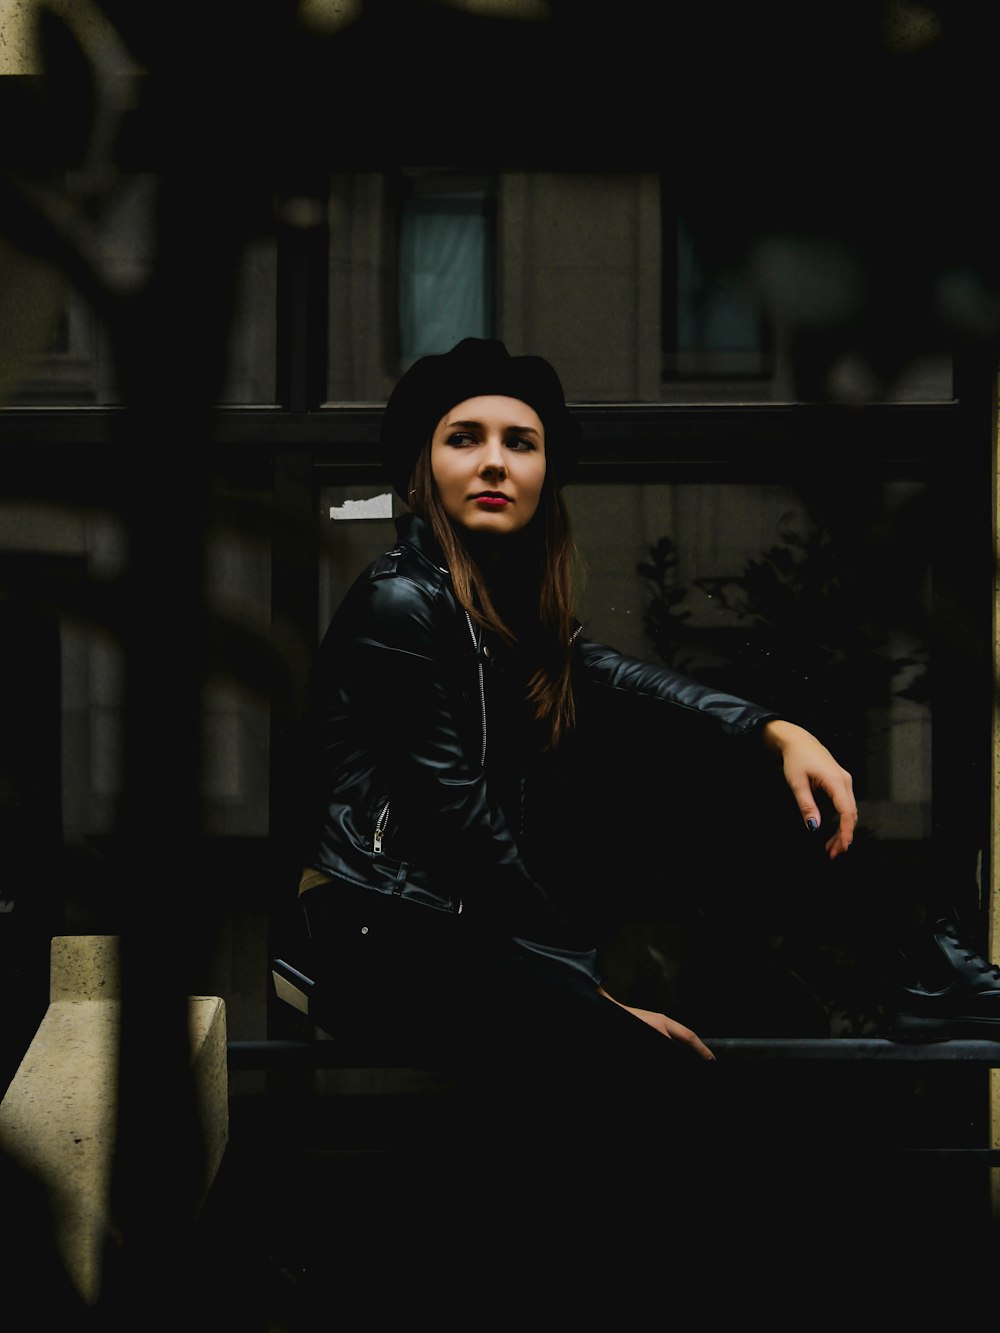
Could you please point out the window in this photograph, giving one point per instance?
(445, 257)
(713, 327)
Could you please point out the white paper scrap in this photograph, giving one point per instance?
(379, 506)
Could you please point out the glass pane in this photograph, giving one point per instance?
(713, 326)
(445, 276)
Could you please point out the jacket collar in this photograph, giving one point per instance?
(416, 532)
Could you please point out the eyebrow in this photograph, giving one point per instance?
(521, 430)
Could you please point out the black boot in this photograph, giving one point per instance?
(945, 990)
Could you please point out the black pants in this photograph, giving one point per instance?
(439, 988)
(569, 1109)
(582, 1149)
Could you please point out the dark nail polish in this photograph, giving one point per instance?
(813, 824)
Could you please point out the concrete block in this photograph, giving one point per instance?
(58, 1116)
(84, 967)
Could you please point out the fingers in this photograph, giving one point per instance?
(841, 793)
(669, 1027)
(838, 844)
(678, 1032)
(840, 841)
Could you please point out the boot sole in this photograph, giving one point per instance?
(917, 1028)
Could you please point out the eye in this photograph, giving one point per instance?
(522, 443)
(460, 438)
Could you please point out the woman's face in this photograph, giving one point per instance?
(488, 462)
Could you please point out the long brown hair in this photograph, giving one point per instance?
(550, 688)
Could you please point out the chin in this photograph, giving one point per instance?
(499, 525)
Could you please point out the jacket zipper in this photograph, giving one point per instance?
(380, 824)
(482, 691)
(383, 818)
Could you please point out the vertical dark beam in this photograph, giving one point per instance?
(302, 340)
(303, 300)
(962, 573)
(294, 619)
(170, 346)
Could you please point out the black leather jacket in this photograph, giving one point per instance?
(403, 733)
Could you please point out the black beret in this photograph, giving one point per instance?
(473, 367)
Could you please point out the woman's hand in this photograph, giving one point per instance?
(668, 1026)
(809, 765)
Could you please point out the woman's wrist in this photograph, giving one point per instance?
(777, 732)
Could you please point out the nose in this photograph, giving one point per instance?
(491, 458)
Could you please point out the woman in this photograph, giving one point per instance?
(455, 665)
(452, 673)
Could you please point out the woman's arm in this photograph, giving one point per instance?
(806, 763)
(605, 672)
